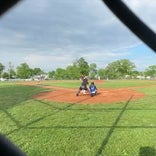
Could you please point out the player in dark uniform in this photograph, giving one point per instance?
(84, 85)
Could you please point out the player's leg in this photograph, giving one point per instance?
(77, 94)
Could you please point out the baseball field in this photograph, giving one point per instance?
(47, 118)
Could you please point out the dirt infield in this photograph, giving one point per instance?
(104, 96)
(59, 94)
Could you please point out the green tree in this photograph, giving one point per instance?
(5, 75)
(24, 71)
(60, 74)
(135, 73)
(92, 71)
(120, 68)
(151, 71)
(111, 70)
(2, 67)
(82, 66)
(102, 73)
(12, 73)
(72, 72)
(37, 71)
(51, 74)
(126, 67)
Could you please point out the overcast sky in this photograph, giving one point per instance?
(53, 33)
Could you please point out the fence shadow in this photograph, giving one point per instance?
(147, 151)
(11, 117)
(36, 120)
(110, 132)
(144, 151)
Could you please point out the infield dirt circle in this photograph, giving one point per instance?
(66, 95)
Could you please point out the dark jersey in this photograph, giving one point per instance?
(84, 85)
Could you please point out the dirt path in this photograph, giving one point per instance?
(104, 96)
(67, 95)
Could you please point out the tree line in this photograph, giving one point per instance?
(119, 69)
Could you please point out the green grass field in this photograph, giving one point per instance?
(42, 128)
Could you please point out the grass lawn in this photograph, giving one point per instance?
(42, 128)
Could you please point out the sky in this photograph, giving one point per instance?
(50, 34)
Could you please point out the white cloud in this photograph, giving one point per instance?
(49, 62)
(52, 33)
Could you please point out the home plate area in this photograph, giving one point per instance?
(104, 96)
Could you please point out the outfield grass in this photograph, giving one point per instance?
(49, 128)
(105, 84)
(127, 83)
